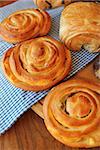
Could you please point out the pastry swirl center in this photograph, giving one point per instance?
(17, 20)
(20, 20)
(78, 105)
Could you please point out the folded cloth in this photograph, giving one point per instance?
(13, 101)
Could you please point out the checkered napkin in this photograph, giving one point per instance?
(13, 101)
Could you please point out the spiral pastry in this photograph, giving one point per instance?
(79, 28)
(25, 24)
(72, 113)
(37, 64)
(48, 4)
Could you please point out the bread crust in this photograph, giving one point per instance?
(80, 26)
(37, 64)
(72, 113)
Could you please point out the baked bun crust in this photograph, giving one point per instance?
(37, 64)
(48, 4)
(72, 113)
(25, 24)
(80, 26)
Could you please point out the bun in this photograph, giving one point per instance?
(72, 113)
(48, 4)
(25, 24)
(37, 64)
(80, 26)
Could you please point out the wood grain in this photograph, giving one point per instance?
(30, 133)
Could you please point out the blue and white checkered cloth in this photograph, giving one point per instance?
(13, 101)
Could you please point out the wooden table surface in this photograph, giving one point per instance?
(30, 133)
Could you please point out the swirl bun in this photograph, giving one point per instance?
(25, 24)
(79, 28)
(47, 4)
(72, 113)
(37, 64)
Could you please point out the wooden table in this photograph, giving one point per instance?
(30, 133)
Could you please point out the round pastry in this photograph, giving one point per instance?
(48, 4)
(25, 24)
(37, 64)
(80, 26)
(72, 113)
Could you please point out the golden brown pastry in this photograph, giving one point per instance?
(37, 64)
(47, 4)
(80, 26)
(25, 24)
(72, 113)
